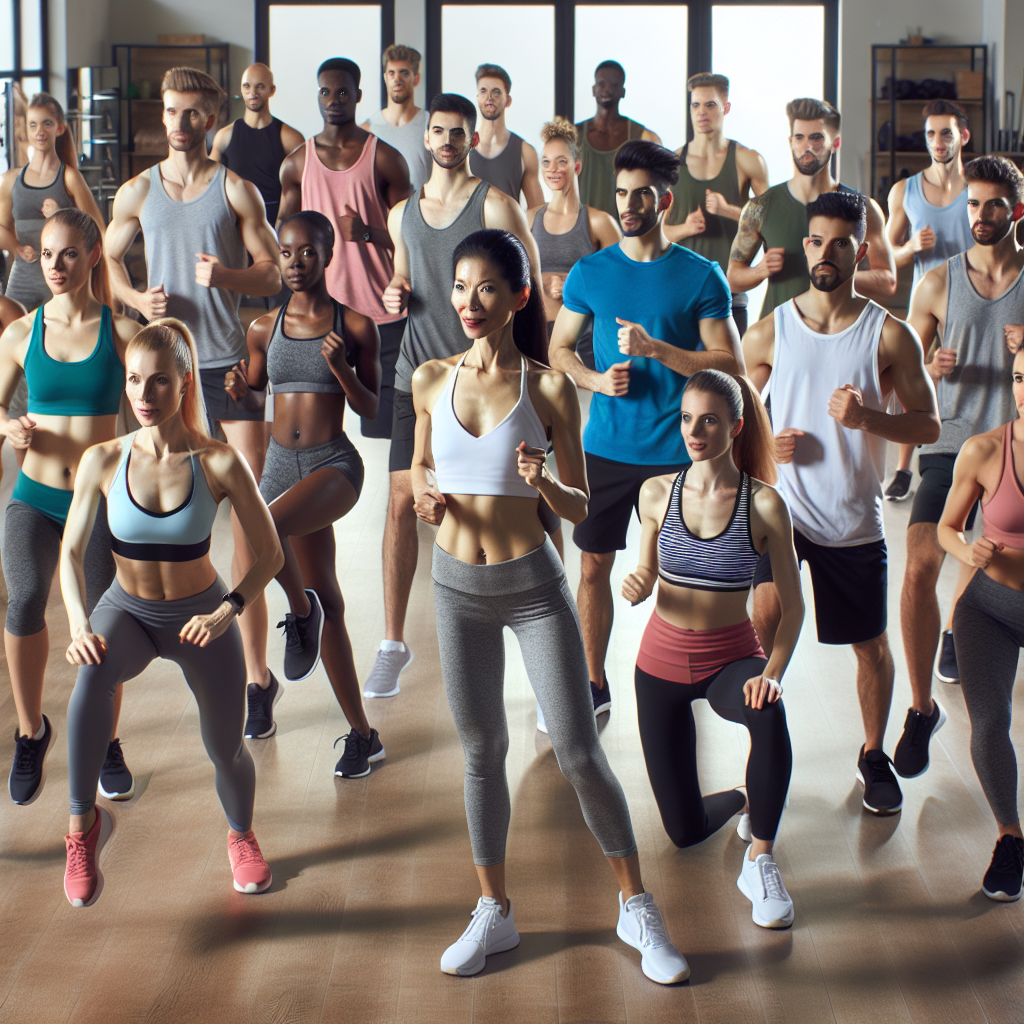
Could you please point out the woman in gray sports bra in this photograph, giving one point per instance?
(317, 355)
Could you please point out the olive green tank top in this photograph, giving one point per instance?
(784, 226)
(597, 176)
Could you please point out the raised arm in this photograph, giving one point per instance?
(291, 184)
(263, 277)
(245, 382)
(531, 177)
(355, 361)
(879, 281)
(742, 276)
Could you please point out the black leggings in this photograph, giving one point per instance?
(669, 739)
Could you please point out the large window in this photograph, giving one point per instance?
(24, 70)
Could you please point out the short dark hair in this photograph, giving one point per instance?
(943, 108)
(318, 226)
(661, 163)
(453, 103)
(809, 109)
(350, 67)
(614, 65)
(851, 207)
(997, 170)
(709, 80)
(494, 71)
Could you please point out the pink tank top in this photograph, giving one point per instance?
(1003, 513)
(359, 271)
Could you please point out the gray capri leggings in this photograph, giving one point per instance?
(530, 596)
(137, 632)
(284, 467)
(30, 554)
(988, 631)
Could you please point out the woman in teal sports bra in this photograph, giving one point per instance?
(70, 351)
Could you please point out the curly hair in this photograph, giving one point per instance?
(563, 129)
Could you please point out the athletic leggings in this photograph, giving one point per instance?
(137, 632)
(668, 735)
(988, 631)
(530, 596)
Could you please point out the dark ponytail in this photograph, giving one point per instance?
(753, 448)
(509, 256)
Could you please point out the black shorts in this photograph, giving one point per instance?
(936, 480)
(403, 432)
(614, 493)
(220, 406)
(390, 343)
(851, 588)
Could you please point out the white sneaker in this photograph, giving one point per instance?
(383, 678)
(640, 926)
(762, 884)
(542, 726)
(488, 932)
(743, 828)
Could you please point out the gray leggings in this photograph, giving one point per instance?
(136, 632)
(530, 596)
(988, 631)
(31, 553)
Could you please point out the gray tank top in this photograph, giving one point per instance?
(976, 396)
(559, 253)
(173, 233)
(505, 171)
(950, 224)
(27, 284)
(432, 329)
(297, 364)
(408, 140)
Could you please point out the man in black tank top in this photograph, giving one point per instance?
(255, 145)
(502, 158)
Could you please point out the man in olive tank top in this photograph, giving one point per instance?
(777, 219)
(716, 177)
(603, 135)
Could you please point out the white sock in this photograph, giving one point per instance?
(42, 731)
(392, 645)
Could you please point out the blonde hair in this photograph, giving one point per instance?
(171, 334)
(65, 142)
(563, 129)
(193, 80)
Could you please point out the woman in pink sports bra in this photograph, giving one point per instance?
(988, 624)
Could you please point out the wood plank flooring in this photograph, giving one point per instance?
(373, 878)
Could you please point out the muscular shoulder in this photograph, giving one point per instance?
(98, 461)
(767, 501)
(654, 494)
(242, 194)
(261, 329)
(222, 139)
(761, 334)
(18, 332)
(132, 194)
(221, 462)
(555, 386)
(499, 207)
(932, 287)
(9, 312)
(430, 374)
(896, 194)
(125, 327)
(749, 160)
(290, 137)
(898, 335)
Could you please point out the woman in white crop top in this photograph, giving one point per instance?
(482, 421)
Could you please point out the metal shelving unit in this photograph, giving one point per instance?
(94, 111)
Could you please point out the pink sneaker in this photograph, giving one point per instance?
(83, 881)
(251, 872)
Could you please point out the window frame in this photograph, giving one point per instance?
(19, 70)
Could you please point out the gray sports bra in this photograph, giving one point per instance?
(296, 364)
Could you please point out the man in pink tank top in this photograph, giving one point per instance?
(353, 179)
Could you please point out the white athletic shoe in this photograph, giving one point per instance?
(641, 926)
(542, 726)
(762, 884)
(383, 678)
(488, 932)
(743, 828)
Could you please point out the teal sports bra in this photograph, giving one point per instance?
(180, 535)
(86, 387)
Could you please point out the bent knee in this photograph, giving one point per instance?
(26, 613)
(596, 570)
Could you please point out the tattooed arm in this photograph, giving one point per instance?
(743, 276)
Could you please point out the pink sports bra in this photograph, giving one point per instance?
(465, 464)
(1003, 513)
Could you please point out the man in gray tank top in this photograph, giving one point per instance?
(401, 123)
(201, 223)
(961, 310)
(426, 229)
(502, 158)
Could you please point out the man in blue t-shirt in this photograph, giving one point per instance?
(653, 303)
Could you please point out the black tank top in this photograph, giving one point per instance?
(257, 154)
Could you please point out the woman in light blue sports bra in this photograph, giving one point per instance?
(482, 426)
(162, 486)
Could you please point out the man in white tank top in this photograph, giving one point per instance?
(827, 363)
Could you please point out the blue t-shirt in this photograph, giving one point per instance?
(668, 298)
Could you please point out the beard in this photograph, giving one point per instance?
(491, 117)
(993, 237)
(827, 277)
(951, 154)
(193, 141)
(648, 221)
(810, 169)
(399, 93)
(448, 157)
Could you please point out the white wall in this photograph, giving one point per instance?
(88, 32)
(1013, 56)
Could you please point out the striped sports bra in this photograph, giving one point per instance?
(297, 364)
(724, 563)
(181, 535)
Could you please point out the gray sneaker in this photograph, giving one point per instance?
(383, 678)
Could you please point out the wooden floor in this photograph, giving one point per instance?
(373, 878)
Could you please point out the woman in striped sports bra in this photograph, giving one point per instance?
(703, 532)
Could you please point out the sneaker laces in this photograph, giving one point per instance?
(652, 927)
(880, 770)
(246, 850)
(1007, 856)
(771, 877)
(292, 636)
(254, 700)
(352, 745)
(78, 856)
(484, 920)
(916, 726)
(25, 755)
(114, 761)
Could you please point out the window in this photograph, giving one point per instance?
(24, 70)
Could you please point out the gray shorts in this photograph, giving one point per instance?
(285, 467)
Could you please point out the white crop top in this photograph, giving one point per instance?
(488, 464)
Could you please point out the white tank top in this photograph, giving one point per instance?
(465, 464)
(834, 484)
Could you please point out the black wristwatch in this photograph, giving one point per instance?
(236, 601)
(368, 235)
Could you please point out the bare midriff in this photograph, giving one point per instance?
(700, 609)
(58, 443)
(165, 581)
(483, 529)
(304, 419)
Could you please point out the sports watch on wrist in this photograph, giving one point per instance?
(368, 235)
(236, 601)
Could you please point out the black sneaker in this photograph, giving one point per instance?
(602, 697)
(259, 723)
(882, 793)
(946, 668)
(900, 486)
(1005, 875)
(910, 758)
(27, 775)
(302, 640)
(116, 781)
(359, 754)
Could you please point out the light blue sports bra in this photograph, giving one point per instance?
(180, 535)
